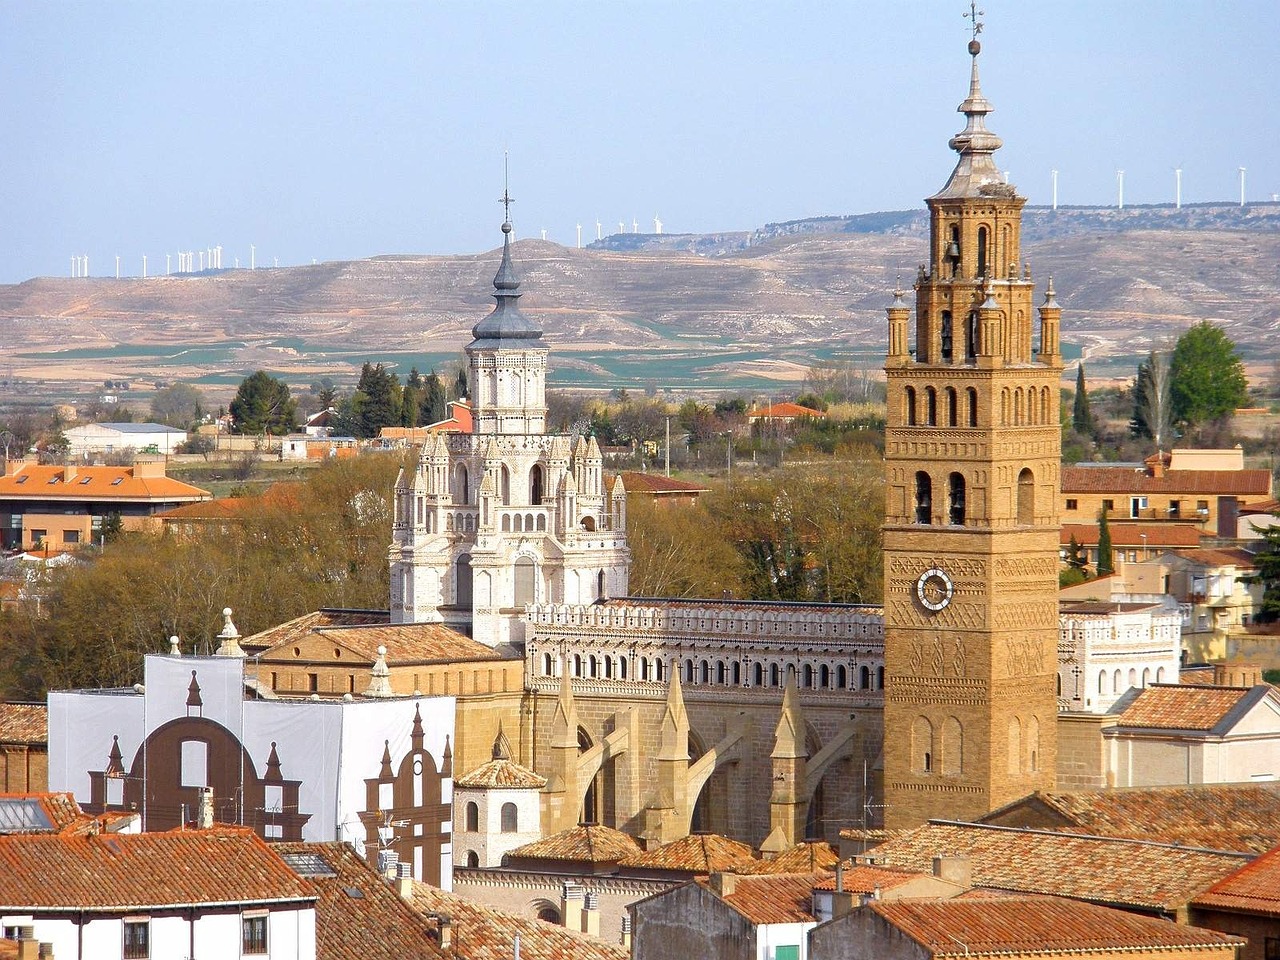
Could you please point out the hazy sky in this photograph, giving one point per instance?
(342, 130)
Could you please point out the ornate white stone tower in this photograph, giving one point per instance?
(506, 516)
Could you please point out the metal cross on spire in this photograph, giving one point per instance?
(506, 200)
(972, 16)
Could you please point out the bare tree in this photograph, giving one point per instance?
(1152, 400)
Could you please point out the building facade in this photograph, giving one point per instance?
(972, 455)
(505, 515)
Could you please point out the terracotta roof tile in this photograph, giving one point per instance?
(24, 723)
(60, 810)
(37, 482)
(696, 853)
(1220, 557)
(499, 775)
(1241, 817)
(283, 495)
(586, 843)
(655, 483)
(363, 631)
(781, 898)
(862, 878)
(1159, 535)
(1197, 676)
(979, 927)
(344, 922)
(1147, 875)
(293, 630)
(807, 857)
(1254, 888)
(1179, 706)
(1125, 480)
(483, 933)
(143, 871)
(786, 410)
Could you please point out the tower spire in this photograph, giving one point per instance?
(506, 322)
(976, 173)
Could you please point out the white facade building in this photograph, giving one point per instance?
(505, 516)
(497, 808)
(114, 437)
(1104, 649)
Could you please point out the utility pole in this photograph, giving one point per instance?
(667, 454)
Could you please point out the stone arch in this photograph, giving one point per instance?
(545, 911)
(509, 818)
(952, 407)
(1014, 763)
(1033, 744)
(1026, 497)
(971, 396)
(461, 484)
(472, 817)
(473, 859)
(591, 797)
(921, 746)
(956, 499)
(924, 497)
(1115, 682)
(909, 411)
(931, 406)
(536, 483)
(1005, 404)
(463, 581)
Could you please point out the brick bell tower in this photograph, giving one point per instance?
(971, 525)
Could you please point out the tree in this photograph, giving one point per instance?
(460, 383)
(1081, 416)
(411, 399)
(1206, 378)
(431, 406)
(262, 405)
(1152, 411)
(178, 405)
(1076, 557)
(1268, 563)
(377, 400)
(1106, 559)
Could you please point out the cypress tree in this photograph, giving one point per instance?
(1081, 415)
(1106, 560)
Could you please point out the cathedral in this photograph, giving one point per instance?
(660, 716)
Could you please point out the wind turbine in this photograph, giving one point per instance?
(117, 266)
(252, 262)
(622, 227)
(579, 236)
(1177, 188)
(1054, 175)
(599, 235)
(1242, 186)
(544, 233)
(635, 225)
(144, 266)
(1120, 188)
(657, 224)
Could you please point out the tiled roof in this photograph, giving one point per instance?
(1254, 888)
(655, 483)
(142, 871)
(695, 853)
(1125, 480)
(52, 812)
(410, 643)
(862, 878)
(587, 843)
(1179, 706)
(345, 922)
(294, 630)
(1197, 676)
(781, 898)
(1135, 873)
(37, 482)
(1003, 925)
(1220, 557)
(1242, 817)
(675, 604)
(1131, 534)
(786, 410)
(499, 775)
(227, 508)
(24, 723)
(483, 933)
(802, 858)
(1262, 506)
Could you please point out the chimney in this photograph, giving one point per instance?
(571, 896)
(404, 887)
(204, 810)
(446, 931)
(148, 467)
(591, 914)
(955, 870)
(15, 465)
(626, 932)
(68, 472)
(724, 883)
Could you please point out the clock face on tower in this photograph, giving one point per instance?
(934, 589)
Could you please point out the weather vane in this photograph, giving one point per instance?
(972, 16)
(506, 200)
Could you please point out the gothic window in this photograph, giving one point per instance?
(972, 396)
(842, 677)
(644, 668)
(473, 816)
(807, 676)
(608, 668)
(473, 859)
(924, 498)
(1115, 682)
(462, 580)
(911, 406)
(622, 668)
(1026, 497)
(947, 336)
(461, 485)
(982, 251)
(1046, 406)
(952, 748)
(775, 676)
(547, 664)
(824, 676)
(931, 406)
(865, 678)
(1033, 745)
(535, 484)
(542, 523)
(971, 335)
(659, 669)
(737, 674)
(921, 745)
(879, 678)
(589, 523)
(722, 673)
(1015, 745)
(759, 675)
(525, 576)
(506, 523)
(1146, 676)
(1102, 682)
(688, 671)
(953, 251)
(1159, 674)
(955, 500)
(1133, 677)
(509, 818)
(1017, 407)
(601, 593)
(1004, 407)
(953, 408)
(704, 672)
(577, 664)
(504, 485)
(593, 666)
